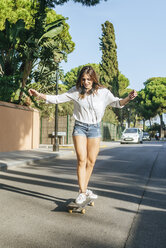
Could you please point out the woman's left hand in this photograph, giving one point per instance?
(132, 94)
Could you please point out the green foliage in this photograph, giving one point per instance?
(153, 129)
(109, 72)
(109, 64)
(67, 107)
(10, 59)
(145, 110)
(156, 91)
(110, 116)
(48, 110)
(8, 87)
(15, 10)
(152, 99)
(123, 84)
(83, 2)
(25, 9)
(22, 48)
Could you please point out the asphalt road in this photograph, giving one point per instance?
(129, 213)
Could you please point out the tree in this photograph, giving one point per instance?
(48, 110)
(83, 2)
(109, 72)
(123, 84)
(36, 14)
(42, 43)
(25, 9)
(10, 59)
(109, 64)
(152, 99)
(145, 111)
(15, 10)
(123, 114)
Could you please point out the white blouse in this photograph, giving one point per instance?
(90, 109)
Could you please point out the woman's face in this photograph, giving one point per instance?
(86, 81)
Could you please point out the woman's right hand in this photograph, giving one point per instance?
(39, 96)
(33, 92)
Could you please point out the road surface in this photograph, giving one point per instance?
(129, 213)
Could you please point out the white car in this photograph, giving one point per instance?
(131, 135)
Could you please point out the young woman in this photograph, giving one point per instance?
(90, 100)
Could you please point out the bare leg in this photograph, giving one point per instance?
(80, 144)
(93, 145)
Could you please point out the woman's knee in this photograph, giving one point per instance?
(91, 162)
(82, 162)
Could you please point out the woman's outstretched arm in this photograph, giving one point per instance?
(70, 95)
(127, 99)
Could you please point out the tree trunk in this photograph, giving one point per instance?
(135, 120)
(143, 124)
(150, 123)
(161, 127)
(27, 71)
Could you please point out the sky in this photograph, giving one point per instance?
(140, 31)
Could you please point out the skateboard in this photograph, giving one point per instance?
(79, 208)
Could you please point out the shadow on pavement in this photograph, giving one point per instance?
(119, 173)
(148, 230)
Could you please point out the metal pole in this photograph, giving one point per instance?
(41, 129)
(128, 117)
(67, 141)
(56, 144)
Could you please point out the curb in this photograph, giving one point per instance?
(16, 160)
(7, 165)
(20, 160)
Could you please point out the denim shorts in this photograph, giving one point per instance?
(87, 130)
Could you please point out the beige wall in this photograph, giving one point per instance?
(19, 127)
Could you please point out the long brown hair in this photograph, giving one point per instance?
(96, 85)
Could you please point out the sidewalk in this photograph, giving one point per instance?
(16, 158)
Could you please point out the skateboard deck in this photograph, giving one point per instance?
(79, 208)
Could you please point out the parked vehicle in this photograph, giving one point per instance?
(146, 136)
(132, 135)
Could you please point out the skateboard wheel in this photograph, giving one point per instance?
(92, 204)
(83, 211)
(70, 211)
